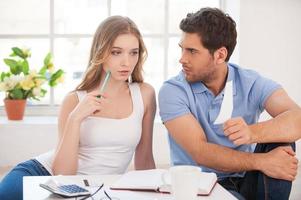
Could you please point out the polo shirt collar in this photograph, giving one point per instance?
(199, 87)
(231, 77)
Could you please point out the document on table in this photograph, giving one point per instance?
(151, 181)
(227, 104)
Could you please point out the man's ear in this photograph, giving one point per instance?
(220, 55)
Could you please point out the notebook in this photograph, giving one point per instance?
(151, 180)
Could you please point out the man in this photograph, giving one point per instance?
(190, 103)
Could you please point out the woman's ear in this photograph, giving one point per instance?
(220, 55)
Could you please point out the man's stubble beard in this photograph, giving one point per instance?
(204, 78)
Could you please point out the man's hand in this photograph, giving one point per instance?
(238, 131)
(280, 163)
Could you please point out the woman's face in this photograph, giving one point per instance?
(123, 57)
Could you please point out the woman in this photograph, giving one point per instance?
(100, 135)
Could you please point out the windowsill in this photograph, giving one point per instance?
(38, 110)
(41, 120)
(30, 120)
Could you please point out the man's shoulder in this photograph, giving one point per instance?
(176, 85)
(244, 76)
(177, 81)
(251, 81)
(244, 72)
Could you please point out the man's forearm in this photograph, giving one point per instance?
(286, 127)
(226, 159)
(279, 163)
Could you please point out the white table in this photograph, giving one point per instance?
(32, 190)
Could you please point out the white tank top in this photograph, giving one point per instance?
(106, 145)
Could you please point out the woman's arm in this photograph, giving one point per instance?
(144, 151)
(71, 115)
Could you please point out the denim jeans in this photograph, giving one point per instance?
(11, 186)
(257, 186)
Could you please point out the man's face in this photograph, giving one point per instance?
(197, 62)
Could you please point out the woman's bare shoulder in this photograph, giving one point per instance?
(70, 101)
(148, 94)
(147, 90)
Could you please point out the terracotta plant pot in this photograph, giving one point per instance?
(15, 108)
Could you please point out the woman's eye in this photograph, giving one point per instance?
(115, 53)
(134, 53)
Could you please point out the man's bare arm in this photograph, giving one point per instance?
(285, 127)
(188, 133)
(286, 124)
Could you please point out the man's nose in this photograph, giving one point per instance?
(183, 59)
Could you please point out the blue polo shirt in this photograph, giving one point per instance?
(177, 97)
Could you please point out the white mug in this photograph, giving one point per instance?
(185, 181)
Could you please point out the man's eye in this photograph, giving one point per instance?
(115, 53)
(192, 51)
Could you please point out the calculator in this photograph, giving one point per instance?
(71, 190)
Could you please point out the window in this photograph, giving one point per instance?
(66, 29)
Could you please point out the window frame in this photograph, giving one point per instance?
(52, 109)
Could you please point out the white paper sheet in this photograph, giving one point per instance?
(227, 105)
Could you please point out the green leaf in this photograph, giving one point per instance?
(25, 67)
(3, 75)
(12, 54)
(35, 98)
(40, 77)
(54, 77)
(27, 93)
(48, 59)
(19, 52)
(19, 67)
(12, 64)
(43, 91)
(16, 94)
(43, 70)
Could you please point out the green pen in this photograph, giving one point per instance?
(103, 87)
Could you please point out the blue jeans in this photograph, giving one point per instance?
(256, 185)
(11, 187)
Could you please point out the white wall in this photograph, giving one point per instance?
(270, 41)
(23, 140)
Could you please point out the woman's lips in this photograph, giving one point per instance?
(124, 72)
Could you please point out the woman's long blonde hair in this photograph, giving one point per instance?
(102, 44)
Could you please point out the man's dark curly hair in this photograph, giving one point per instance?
(215, 28)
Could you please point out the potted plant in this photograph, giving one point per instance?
(21, 83)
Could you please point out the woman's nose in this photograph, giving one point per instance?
(126, 60)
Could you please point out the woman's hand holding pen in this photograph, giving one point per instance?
(89, 105)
